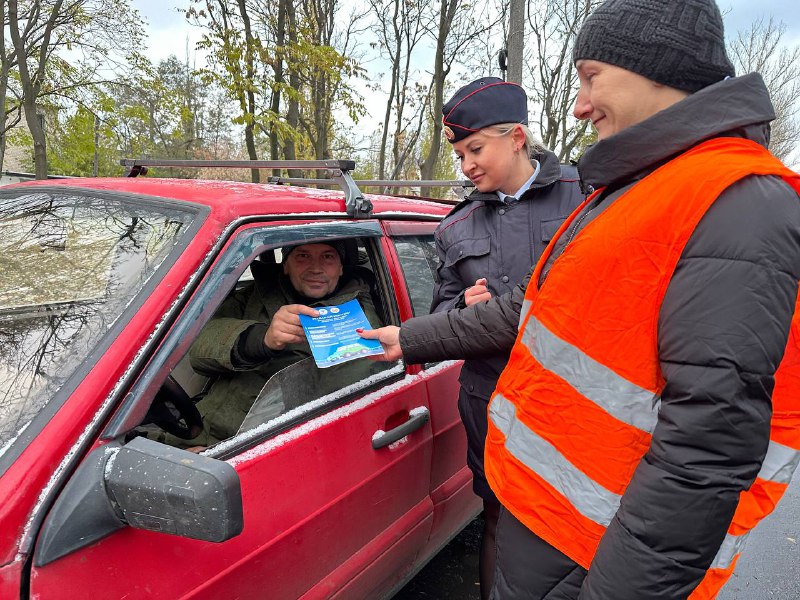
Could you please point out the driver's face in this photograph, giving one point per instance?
(313, 269)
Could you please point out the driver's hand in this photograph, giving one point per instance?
(477, 293)
(196, 449)
(389, 337)
(285, 326)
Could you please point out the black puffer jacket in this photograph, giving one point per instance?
(723, 328)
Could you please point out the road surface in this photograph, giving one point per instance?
(768, 569)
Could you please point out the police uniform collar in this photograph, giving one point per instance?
(549, 172)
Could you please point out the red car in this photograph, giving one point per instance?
(104, 285)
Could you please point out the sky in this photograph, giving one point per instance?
(168, 30)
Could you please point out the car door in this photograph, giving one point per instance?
(451, 480)
(333, 505)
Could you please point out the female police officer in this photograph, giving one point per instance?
(489, 242)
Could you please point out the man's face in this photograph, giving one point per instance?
(614, 98)
(313, 269)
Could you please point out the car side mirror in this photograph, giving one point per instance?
(144, 485)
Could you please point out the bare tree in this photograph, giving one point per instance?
(759, 49)
(233, 60)
(516, 39)
(249, 94)
(456, 33)
(553, 80)
(293, 109)
(329, 41)
(399, 27)
(285, 10)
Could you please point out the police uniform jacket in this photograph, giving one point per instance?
(501, 241)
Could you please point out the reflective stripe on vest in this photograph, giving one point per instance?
(526, 308)
(589, 498)
(620, 398)
(575, 409)
(730, 548)
(778, 467)
(779, 464)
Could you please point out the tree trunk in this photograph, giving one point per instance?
(277, 67)
(249, 130)
(37, 133)
(390, 100)
(439, 74)
(3, 114)
(516, 40)
(5, 67)
(2, 139)
(96, 161)
(293, 109)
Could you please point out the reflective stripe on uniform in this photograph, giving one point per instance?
(616, 395)
(779, 463)
(588, 497)
(730, 548)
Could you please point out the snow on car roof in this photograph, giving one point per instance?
(241, 199)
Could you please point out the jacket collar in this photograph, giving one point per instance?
(549, 172)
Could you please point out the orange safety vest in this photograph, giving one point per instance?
(574, 410)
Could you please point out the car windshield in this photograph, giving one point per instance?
(69, 266)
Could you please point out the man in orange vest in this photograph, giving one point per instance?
(649, 416)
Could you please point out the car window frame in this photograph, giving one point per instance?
(216, 282)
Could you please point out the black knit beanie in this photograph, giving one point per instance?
(678, 43)
(337, 245)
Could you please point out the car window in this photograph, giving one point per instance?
(298, 389)
(69, 267)
(419, 262)
(249, 387)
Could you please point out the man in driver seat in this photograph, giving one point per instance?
(256, 332)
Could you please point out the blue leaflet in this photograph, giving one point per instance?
(332, 335)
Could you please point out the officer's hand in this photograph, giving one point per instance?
(285, 326)
(477, 293)
(389, 337)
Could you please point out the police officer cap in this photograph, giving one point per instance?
(484, 102)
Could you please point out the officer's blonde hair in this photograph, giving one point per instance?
(532, 145)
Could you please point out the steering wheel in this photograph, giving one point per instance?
(174, 411)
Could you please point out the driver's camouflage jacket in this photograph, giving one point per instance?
(235, 387)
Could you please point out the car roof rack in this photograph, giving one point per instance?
(459, 186)
(356, 205)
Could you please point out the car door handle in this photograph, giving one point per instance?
(416, 418)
